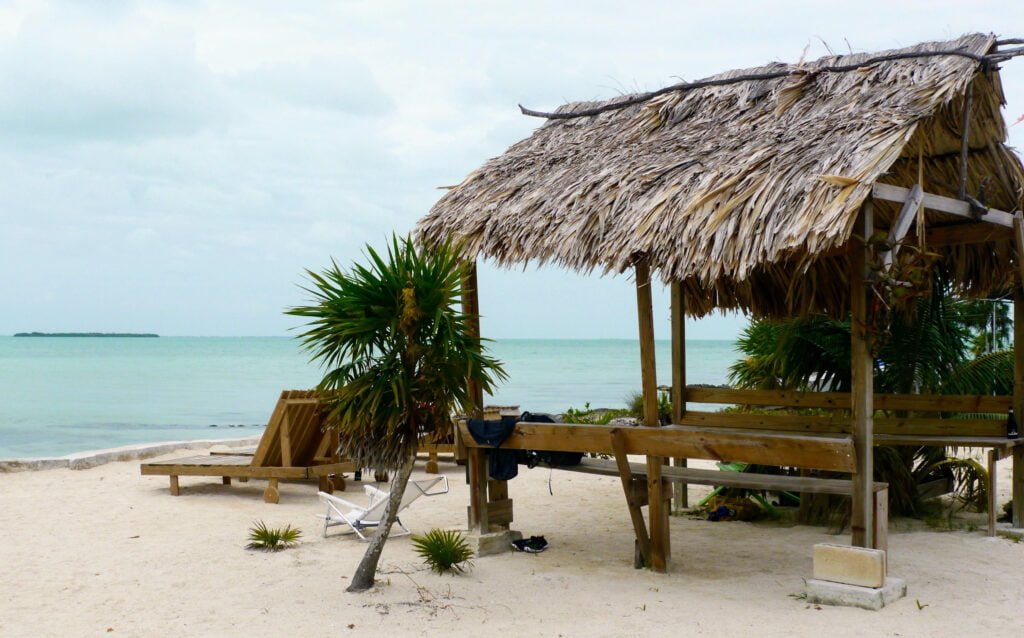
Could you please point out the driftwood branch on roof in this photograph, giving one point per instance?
(794, 71)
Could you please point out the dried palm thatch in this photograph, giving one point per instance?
(747, 192)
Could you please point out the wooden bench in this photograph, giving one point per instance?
(929, 425)
(829, 452)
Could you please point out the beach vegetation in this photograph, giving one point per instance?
(399, 356)
(272, 539)
(444, 551)
(635, 406)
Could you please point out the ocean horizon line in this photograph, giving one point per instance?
(296, 337)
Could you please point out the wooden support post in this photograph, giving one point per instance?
(478, 519)
(658, 490)
(993, 457)
(965, 139)
(225, 480)
(175, 490)
(659, 501)
(643, 541)
(499, 505)
(881, 540)
(645, 319)
(273, 493)
(1018, 388)
(862, 392)
(477, 468)
(680, 496)
(471, 308)
(1018, 487)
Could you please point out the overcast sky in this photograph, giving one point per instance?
(173, 167)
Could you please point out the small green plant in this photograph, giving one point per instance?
(274, 539)
(635, 403)
(444, 551)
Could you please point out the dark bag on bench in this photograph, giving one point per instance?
(533, 458)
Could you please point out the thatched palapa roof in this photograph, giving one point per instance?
(747, 191)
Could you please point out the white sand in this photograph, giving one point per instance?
(105, 551)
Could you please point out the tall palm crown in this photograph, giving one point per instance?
(397, 351)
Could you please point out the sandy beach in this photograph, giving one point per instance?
(105, 551)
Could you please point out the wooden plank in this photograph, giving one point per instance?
(286, 440)
(993, 504)
(995, 442)
(234, 471)
(841, 400)
(208, 461)
(643, 541)
(500, 512)
(478, 519)
(862, 392)
(902, 224)
(1018, 486)
(881, 521)
(645, 321)
(752, 480)
(265, 450)
(820, 451)
(964, 233)
(891, 193)
(840, 424)
(680, 495)
(1018, 390)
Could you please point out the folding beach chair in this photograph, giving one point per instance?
(359, 518)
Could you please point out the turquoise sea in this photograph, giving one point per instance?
(63, 395)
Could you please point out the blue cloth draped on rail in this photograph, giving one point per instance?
(503, 464)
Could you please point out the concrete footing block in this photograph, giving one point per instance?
(841, 595)
(849, 565)
(495, 542)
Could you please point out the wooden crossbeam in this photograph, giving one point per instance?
(902, 224)
(841, 400)
(891, 193)
(832, 452)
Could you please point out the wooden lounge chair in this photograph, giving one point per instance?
(294, 446)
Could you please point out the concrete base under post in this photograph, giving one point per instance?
(496, 542)
(829, 593)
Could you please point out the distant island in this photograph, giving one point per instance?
(85, 334)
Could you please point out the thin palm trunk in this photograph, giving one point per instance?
(363, 578)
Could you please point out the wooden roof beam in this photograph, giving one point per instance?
(902, 224)
(891, 193)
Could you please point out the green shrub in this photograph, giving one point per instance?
(274, 539)
(444, 551)
(635, 406)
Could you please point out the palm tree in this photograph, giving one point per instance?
(398, 357)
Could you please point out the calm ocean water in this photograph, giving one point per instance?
(65, 395)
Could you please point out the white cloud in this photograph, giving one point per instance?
(174, 166)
